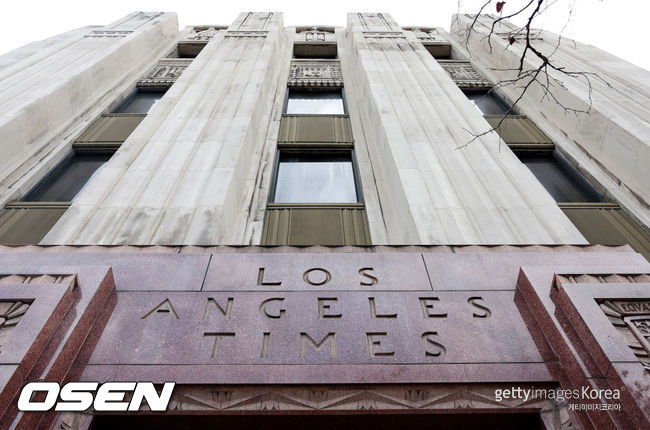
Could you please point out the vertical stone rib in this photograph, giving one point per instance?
(182, 177)
(477, 194)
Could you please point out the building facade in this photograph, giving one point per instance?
(324, 226)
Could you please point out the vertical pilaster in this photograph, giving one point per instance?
(49, 89)
(187, 174)
(435, 187)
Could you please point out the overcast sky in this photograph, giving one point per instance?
(617, 26)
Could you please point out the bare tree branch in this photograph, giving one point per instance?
(526, 76)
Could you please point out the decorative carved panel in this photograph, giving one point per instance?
(377, 22)
(165, 73)
(246, 33)
(325, 398)
(315, 73)
(383, 35)
(464, 75)
(429, 35)
(519, 35)
(315, 35)
(203, 33)
(632, 320)
(108, 33)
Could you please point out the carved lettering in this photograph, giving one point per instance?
(261, 281)
(439, 350)
(325, 276)
(374, 343)
(305, 339)
(217, 340)
(165, 307)
(324, 308)
(277, 315)
(265, 345)
(427, 308)
(634, 307)
(370, 279)
(485, 311)
(373, 310)
(212, 303)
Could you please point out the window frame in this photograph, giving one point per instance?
(45, 182)
(132, 95)
(582, 185)
(314, 90)
(315, 150)
(489, 92)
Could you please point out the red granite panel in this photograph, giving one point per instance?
(135, 271)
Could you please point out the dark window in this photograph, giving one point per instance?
(139, 102)
(315, 102)
(315, 177)
(65, 181)
(487, 102)
(315, 50)
(560, 180)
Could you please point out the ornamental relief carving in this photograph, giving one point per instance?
(632, 320)
(315, 73)
(464, 75)
(245, 33)
(431, 35)
(384, 35)
(195, 398)
(108, 33)
(165, 73)
(203, 33)
(315, 35)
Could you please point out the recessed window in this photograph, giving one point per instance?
(315, 102)
(487, 103)
(67, 179)
(560, 180)
(315, 50)
(315, 177)
(139, 102)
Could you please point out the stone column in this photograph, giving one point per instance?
(186, 175)
(49, 90)
(608, 139)
(435, 187)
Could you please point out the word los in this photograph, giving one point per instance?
(107, 397)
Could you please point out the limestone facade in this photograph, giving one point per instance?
(198, 169)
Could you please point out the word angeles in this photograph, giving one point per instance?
(79, 396)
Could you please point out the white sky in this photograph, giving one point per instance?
(617, 26)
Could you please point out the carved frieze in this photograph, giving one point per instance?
(165, 73)
(428, 35)
(108, 33)
(506, 35)
(203, 33)
(318, 73)
(632, 320)
(326, 398)
(377, 22)
(315, 35)
(384, 35)
(464, 74)
(245, 33)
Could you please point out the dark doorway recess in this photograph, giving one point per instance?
(321, 422)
